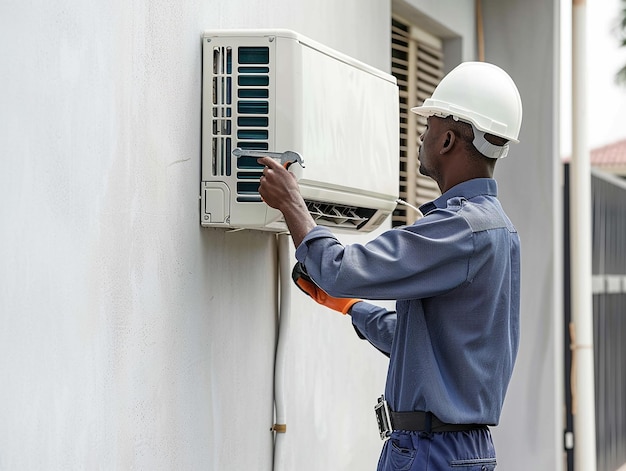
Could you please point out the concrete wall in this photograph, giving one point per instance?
(134, 339)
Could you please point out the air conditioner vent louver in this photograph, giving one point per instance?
(338, 215)
(253, 109)
(253, 105)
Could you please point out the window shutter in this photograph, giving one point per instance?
(417, 64)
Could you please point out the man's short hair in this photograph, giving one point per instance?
(466, 133)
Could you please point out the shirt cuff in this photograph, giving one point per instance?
(374, 324)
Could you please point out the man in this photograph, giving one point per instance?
(454, 274)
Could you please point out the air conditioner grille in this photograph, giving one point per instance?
(253, 110)
(336, 215)
(241, 110)
(222, 110)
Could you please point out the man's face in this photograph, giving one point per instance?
(427, 154)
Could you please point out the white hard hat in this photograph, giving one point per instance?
(482, 95)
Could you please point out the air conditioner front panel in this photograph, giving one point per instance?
(350, 138)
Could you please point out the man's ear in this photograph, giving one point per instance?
(448, 142)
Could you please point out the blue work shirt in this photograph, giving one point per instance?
(455, 276)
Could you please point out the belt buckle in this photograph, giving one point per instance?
(383, 418)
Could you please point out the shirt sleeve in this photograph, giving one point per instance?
(374, 324)
(428, 258)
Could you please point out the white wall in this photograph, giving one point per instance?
(132, 338)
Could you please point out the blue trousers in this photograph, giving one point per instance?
(471, 450)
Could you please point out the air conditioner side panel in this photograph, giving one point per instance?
(235, 89)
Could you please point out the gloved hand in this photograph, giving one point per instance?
(302, 279)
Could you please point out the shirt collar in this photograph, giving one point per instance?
(467, 189)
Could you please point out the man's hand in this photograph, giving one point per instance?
(280, 190)
(302, 279)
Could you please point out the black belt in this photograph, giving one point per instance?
(419, 421)
(416, 421)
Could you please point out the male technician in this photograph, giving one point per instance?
(455, 274)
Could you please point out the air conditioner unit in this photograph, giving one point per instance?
(275, 90)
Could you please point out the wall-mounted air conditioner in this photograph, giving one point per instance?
(276, 90)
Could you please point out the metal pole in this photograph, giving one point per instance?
(583, 400)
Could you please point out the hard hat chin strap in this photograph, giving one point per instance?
(487, 148)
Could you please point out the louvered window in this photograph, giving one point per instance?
(417, 64)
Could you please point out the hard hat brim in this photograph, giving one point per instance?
(440, 112)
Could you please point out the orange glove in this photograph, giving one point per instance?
(302, 279)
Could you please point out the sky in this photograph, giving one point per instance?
(606, 101)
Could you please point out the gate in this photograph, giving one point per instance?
(609, 319)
